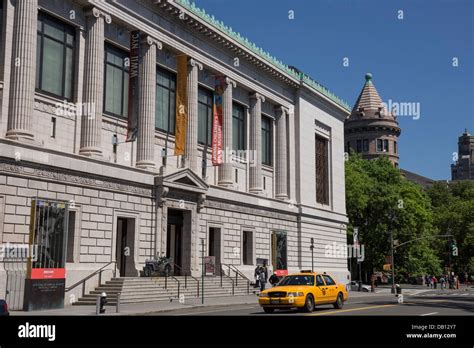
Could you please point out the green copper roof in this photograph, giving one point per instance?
(191, 6)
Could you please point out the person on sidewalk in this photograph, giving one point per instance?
(435, 282)
(256, 273)
(274, 279)
(262, 280)
(442, 281)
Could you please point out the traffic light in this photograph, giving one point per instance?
(454, 248)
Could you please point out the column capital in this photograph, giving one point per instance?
(231, 82)
(257, 96)
(194, 63)
(150, 40)
(96, 12)
(281, 110)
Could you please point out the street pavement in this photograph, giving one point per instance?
(415, 303)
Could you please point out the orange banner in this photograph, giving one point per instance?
(181, 104)
(219, 84)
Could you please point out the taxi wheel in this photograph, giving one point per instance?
(309, 304)
(268, 310)
(339, 302)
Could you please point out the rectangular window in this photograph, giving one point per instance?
(116, 75)
(71, 230)
(238, 127)
(53, 127)
(267, 140)
(165, 116)
(322, 170)
(365, 145)
(359, 146)
(247, 247)
(395, 148)
(205, 111)
(385, 145)
(379, 145)
(55, 57)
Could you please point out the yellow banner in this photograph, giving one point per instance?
(181, 104)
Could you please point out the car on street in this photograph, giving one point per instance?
(4, 308)
(304, 291)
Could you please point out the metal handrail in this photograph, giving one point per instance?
(186, 277)
(237, 274)
(176, 279)
(99, 271)
(222, 272)
(236, 270)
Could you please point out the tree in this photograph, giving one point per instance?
(379, 200)
(453, 211)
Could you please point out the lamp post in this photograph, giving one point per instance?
(312, 254)
(203, 271)
(393, 262)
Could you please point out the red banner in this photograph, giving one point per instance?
(219, 84)
(48, 273)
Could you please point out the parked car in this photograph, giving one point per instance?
(303, 290)
(355, 286)
(4, 308)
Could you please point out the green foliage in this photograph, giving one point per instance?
(453, 211)
(379, 200)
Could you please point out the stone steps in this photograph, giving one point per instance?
(139, 290)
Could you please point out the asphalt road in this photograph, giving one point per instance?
(425, 304)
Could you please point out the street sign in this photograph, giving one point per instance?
(387, 267)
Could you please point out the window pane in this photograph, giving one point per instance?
(162, 105)
(202, 120)
(69, 70)
(53, 60)
(125, 94)
(38, 60)
(54, 30)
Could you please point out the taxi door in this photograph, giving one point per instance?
(331, 288)
(320, 291)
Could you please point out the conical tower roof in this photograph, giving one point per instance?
(369, 104)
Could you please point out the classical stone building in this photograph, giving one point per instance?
(371, 129)
(463, 169)
(65, 67)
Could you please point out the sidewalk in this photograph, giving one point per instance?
(144, 308)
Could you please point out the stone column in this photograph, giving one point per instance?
(23, 74)
(281, 168)
(91, 122)
(255, 156)
(225, 169)
(146, 104)
(191, 150)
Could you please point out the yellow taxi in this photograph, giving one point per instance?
(303, 290)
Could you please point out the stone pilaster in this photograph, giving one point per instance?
(23, 74)
(225, 169)
(281, 168)
(146, 104)
(191, 150)
(91, 123)
(255, 156)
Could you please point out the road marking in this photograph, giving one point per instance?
(219, 310)
(432, 313)
(464, 294)
(353, 309)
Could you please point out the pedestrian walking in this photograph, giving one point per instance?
(435, 282)
(442, 282)
(256, 273)
(262, 280)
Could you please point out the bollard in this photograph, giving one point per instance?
(103, 302)
(97, 305)
(118, 303)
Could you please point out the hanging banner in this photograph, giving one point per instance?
(219, 85)
(133, 86)
(181, 104)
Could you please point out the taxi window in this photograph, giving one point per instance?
(297, 280)
(329, 280)
(319, 281)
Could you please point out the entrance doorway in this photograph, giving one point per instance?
(125, 247)
(174, 239)
(214, 247)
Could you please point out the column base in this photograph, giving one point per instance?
(90, 152)
(256, 191)
(225, 183)
(19, 135)
(282, 196)
(147, 165)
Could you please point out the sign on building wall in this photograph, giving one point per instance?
(133, 86)
(279, 253)
(181, 104)
(219, 85)
(210, 265)
(46, 272)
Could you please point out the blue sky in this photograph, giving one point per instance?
(411, 59)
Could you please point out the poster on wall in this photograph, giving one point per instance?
(279, 253)
(46, 272)
(210, 265)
